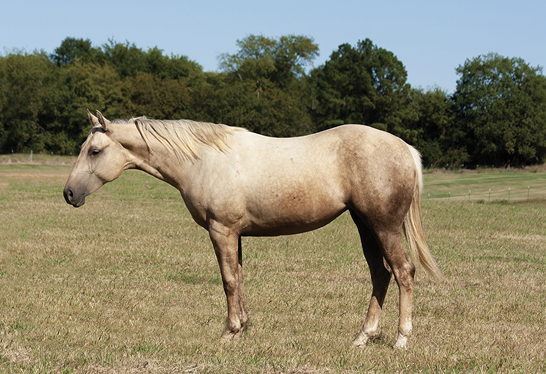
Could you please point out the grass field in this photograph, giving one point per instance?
(128, 283)
(489, 186)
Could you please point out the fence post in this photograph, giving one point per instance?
(490, 195)
(528, 192)
(468, 195)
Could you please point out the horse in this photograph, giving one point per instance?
(237, 183)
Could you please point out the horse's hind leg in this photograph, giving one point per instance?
(403, 269)
(381, 276)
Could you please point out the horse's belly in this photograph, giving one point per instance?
(293, 214)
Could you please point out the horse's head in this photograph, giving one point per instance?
(102, 159)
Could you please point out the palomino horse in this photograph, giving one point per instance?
(236, 183)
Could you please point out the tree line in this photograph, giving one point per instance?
(497, 114)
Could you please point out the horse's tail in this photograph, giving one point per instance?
(413, 229)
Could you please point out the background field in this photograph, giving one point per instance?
(489, 185)
(128, 283)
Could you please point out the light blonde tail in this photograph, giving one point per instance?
(413, 229)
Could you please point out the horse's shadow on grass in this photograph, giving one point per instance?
(380, 341)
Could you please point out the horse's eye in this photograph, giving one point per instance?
(95, 152)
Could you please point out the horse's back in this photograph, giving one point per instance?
(352, 153)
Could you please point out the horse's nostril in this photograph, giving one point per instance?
(68, 195)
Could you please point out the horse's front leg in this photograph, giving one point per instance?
(244, 314)
(226, 246)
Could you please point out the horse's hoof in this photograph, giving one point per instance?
(400, 342)
(361, 340)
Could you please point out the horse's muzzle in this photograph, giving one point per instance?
(72, 198)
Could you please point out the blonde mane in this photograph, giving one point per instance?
(183, 136)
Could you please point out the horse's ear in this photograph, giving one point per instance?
(103, 121)
(92, 119)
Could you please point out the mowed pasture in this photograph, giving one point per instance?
(129, 283)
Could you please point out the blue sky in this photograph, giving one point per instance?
(431, 38)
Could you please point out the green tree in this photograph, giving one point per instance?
(500, 103)
(127, 59)
(264, 87)
(434, 132)
(279, 61)
(73, 48)
(148, 95)
(365, 84)
(43, 99)
(74, 89)
(223, 99)
(23, 80)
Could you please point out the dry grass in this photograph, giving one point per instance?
(129, 284)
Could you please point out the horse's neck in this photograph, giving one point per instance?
(159, 163)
